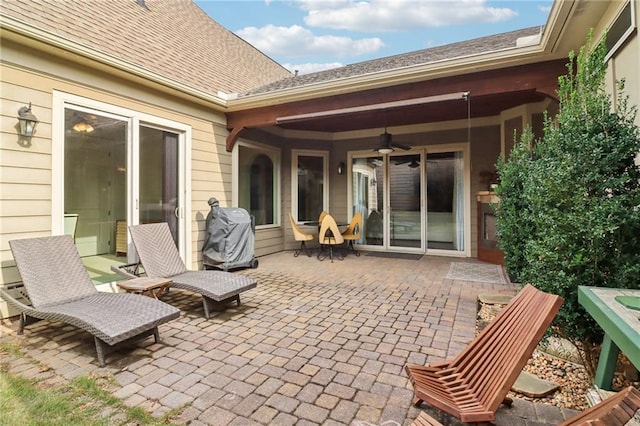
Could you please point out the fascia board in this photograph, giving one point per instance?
(398, 76)
(27, 31)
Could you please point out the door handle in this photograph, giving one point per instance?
(176, 212)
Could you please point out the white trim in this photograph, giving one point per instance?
(295, 153)
(277, 189)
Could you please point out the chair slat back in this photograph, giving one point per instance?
(355, 226)
(298, 234)
(51, 269)
(157, 250)
(329, 224)
(618, 409)
(492, 362)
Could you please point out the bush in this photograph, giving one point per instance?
(570, 203)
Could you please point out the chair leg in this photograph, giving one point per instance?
(321, 252)
(100, 351)
(353, 248)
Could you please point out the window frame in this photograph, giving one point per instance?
(273, 153)
(624, 36)
(295, 153)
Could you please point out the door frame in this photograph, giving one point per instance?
(62, 100)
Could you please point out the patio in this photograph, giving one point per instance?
(314, 343)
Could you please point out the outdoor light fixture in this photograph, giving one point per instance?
(27, 121)
(341, 167)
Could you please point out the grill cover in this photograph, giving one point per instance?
(230, 238)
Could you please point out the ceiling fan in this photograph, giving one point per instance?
(387, 146)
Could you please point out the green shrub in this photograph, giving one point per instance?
(570, 203)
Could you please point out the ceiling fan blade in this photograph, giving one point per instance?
(401, 146)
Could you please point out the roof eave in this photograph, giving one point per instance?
(544, 49)
(25, 30)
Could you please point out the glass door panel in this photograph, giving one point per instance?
(95, 179)
(405, 213)
(445, 201)
(367, 197)
(158, 181)
(310, 196)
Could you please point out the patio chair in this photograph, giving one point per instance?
(159, 257)
(321, 216)
(353, 232)
(617, 410)
(59, 288)
(329, 236)
(472, 385)
(301, 236)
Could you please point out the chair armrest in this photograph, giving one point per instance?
(27, 309)
(129, 271)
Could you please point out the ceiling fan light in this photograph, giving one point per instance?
(384, 150)
(83, 127)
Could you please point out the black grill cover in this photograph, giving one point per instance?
(230, 238)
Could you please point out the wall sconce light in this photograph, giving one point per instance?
(341, 167)
(27, 121)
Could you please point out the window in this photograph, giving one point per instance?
(257, 184)
(620, 30)
(309, 184)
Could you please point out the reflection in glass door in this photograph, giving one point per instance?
(405, 207)
(95, 180)
(159, 178)
(445, 201)
(367, 180)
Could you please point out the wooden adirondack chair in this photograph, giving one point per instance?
(472, 386)
(616, 410)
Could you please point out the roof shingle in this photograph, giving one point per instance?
(487, 44)
(172, 38)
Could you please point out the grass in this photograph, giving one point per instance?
(82, 401)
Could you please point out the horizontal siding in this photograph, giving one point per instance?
(25, 168)
(25, 191)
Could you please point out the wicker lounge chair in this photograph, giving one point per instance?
(160, 258)
(60, 289)
(472, 386)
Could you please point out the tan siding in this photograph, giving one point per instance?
(25, 170)
(21, 208)
(20, 191)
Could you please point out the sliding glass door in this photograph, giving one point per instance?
(405, 201)
(445, 201)
(117, 172)
(413, 201)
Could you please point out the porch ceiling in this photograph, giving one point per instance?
(490, 93)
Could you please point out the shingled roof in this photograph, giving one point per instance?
(477, 46)
(171, 38)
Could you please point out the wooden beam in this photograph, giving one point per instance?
(233, 137)
(539, 77)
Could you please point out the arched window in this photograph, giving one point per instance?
(257, 183)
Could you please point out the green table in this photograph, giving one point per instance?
(621, 328)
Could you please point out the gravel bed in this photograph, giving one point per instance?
(572, 377)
